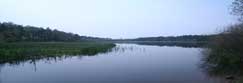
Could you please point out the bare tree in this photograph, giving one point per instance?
(237, 9)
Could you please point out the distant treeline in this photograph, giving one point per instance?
(184, 38)
(10, 32)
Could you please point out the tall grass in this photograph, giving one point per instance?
(32, 50)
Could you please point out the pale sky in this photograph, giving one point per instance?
(121, 18)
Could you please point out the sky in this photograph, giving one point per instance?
(121, 18)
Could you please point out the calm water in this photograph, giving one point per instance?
(126, 63)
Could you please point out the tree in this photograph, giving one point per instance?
(237, 9)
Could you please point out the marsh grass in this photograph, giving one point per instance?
(36, 50)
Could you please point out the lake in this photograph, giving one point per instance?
(125, 63)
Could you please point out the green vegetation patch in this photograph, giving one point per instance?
(36, 50)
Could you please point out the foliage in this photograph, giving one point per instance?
(237, 9)
(10, 32)
(230, 40)
(224, 56)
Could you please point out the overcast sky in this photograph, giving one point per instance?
(121, 18)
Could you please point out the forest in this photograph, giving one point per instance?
(10, 32)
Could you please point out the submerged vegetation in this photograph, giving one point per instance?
(11, 52)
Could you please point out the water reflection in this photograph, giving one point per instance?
(171, 44)
(121, 48)
(126, 63)
(1, 66)
(62, 56)
(56, 57)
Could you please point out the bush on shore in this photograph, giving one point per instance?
(224, 56)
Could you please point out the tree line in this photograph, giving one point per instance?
(183, 38)
(10, 32)
(177, 38)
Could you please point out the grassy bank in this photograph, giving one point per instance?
(36, 50)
